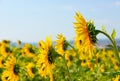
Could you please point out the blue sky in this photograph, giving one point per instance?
(33, 20)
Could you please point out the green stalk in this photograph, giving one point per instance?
(68, 73)
(72, 47)
(113, 43)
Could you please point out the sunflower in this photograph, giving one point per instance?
(5, 50)
(61, 44)
(102, 69)
(11, 72)
(117, 78)
(31, 69)
(85, 33)
(27, 51)
(45, 62)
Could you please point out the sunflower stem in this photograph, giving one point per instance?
(68, 73)
(113, 43)
(72, 47)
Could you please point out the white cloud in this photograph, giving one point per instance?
(117, 3)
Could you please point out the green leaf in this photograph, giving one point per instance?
(113, 34)
(103, 28)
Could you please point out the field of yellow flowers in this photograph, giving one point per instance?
(62, 61)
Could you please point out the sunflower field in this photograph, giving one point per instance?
(81, 60)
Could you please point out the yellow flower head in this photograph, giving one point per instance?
(61, 44)
(31, 69)
(102, 69)
(84, 63)
(85, 33)
(117, 78)
(5, 50)
(6, 41)
(28, 51)
(45, 62)
(11, 72)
